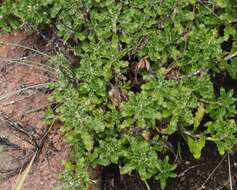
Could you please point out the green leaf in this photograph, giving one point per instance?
(80, 36)
(196, 146)
(87, 139)
(126, 169)
(232, 68)
(114, 42)
(198, 116)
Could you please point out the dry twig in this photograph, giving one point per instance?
(32, 87)
(213, 171)
(229, 169)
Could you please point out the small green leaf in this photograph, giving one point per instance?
(126, 169)
(80, 36)
(198, 116)
(114, 42)
(196, 146)
(87, 140)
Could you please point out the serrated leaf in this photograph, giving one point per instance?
(196, 146)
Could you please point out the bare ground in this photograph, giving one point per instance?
(19, 69)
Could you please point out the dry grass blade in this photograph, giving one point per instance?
(37, 86)
(40, 108)
(45, 68)
(229, 169)
(213, 171)
(25, 47)
(21, 178)
(187, 170)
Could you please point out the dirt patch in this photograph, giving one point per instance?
(210, 172)
(20, 69)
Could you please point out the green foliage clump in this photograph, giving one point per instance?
(146, 70)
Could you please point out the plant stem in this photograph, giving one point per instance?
(231, 56)
(147, 185)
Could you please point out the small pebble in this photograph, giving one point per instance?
(187, 162)
(235, 164)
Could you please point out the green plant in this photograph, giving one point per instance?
(145, 71)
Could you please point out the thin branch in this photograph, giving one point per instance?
(196, 73)
(185, 171)
(28, 163)
(21, 178)
(5, 141)
(229, 169)
(29, 63)
(25, 47)
(36, 86)
(42, 107)
(213, 171)
(19, 99)
(18, 127)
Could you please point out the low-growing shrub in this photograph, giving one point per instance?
(146, 70)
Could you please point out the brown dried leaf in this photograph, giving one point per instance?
(171, 71)
(143, 64)
(117, 96)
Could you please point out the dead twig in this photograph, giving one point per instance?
(32, 87)
(14, 172)
(21, 178)
(187, 170)
(27, 164)
(43, 138)
(19, 99)
(40, 108)
(229, 169)
(213, 171)
(25, 47)
(141, 44)
(24, 61)
(196, 73)
(5, 141)
(36, 66)
(18, 127)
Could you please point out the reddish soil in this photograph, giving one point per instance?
(27, 108)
